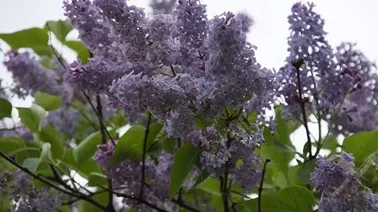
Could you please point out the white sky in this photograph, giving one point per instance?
(346, 20)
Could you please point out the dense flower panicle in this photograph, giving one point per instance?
(214, 148)
(30, 76)
(218, 152)
(340, 185)
(356, 88)
(127, 26)
(307, 42)
(128, 174)
(95, 76)
(347, 202)
(19, 187)
(372, 203)
(191, 23)
(248, 174)
(161, 95)
(94, 32)
(231, 66)
(162, 6)
(162, 48)
(336, 173)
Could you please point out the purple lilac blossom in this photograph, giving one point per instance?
(191, 31)
(357, 90)
(30, 76)
(340, 185)
(307, 42)
(19, 188)
(94, 76)
(218, 152)
(128, 174)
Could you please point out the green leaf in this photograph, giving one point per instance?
(97, 179)
(45, 154)
(84, 206)
(34, 38)
(170, 144)
(211, 186)
(5, 204)
(183, 162)
(5, 109)
(88, 167)
(31, 164)
(203, 123)
(304, 171)
(130, 145)
(28, 152)
(50, 135)
(64, 208)
(279, 147)
(290, 199)
(293, 176)
(86, 149)
(330, 143)
(59, 28)
(155, 149)
(32, 117)
(47, 101)
(68, 158)
(80, 49)
(84, 169)
(10, 145)
(361, 145)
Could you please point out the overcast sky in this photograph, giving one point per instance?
(346, 20)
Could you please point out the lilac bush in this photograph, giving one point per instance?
(171, 111)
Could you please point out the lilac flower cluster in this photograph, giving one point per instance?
(19, 188)
(128, 175)
(30, 76)
(219, 153)
(358, 108)
(340, 185)
(307, 42)
(332, 82)
(175, 66)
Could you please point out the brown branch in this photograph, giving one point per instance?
(40, 178)
(261, 185)
(140, 200)
(302, 102)
(110, 206)
(98, 116)
(146, 132)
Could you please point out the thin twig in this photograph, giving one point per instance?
(141, 201)
(110, 206)
(173, 71)
(11, 129)
(261, 185)
(297, 66)
(98, 116)
(146, 132)
(224, 186)
(40, 178)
